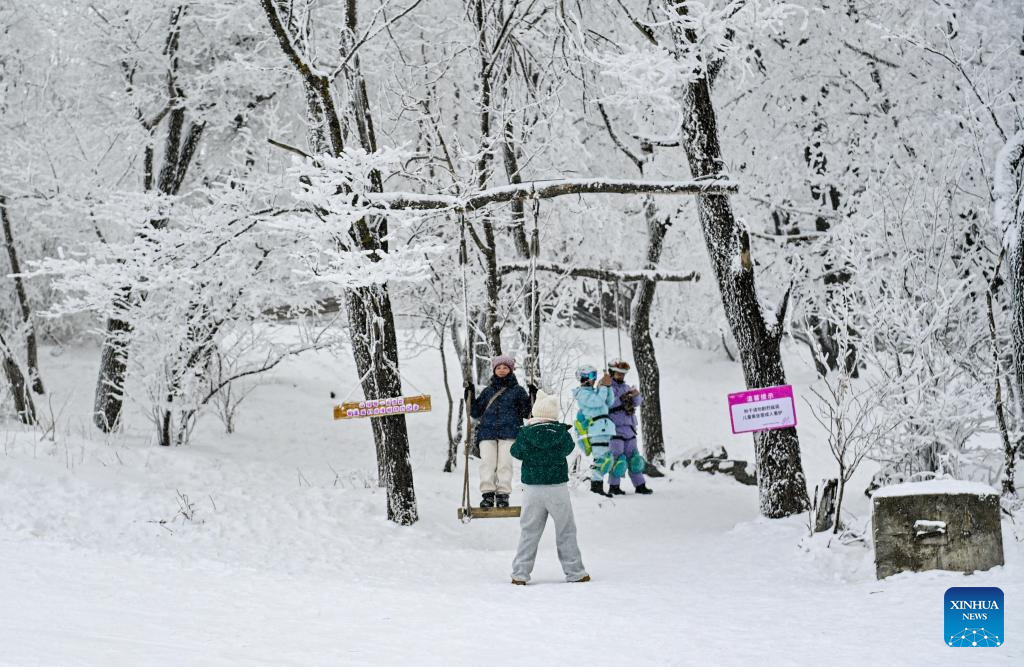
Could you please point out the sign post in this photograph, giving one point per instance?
(383, 407)
(765, 409)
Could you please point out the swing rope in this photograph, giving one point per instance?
(534, 348)
(600, 310)
(618, 318)
(463, 260)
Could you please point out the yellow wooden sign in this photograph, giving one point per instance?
(383, 407)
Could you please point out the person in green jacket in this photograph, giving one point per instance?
(542, 446)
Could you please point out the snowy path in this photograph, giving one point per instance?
(694, 590)
(285, 564)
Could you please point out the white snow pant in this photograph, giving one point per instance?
(540, 500)
(496, 466)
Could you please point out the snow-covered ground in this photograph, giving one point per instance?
(287, 557)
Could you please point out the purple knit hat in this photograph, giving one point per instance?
(503, 359)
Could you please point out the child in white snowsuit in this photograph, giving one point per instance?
(594, 427)
(542, 446)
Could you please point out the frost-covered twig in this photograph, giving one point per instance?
(539, 190)
(602, 274)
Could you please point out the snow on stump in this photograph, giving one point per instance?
(936, 525)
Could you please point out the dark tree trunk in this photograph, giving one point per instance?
(643, 344)
(31, 347)
(644, 353)
(526, 248)
(177, 157)
(825, 515)
(492, 280)
(23, 404)
(1016, 271)
(375, 347)
(533, 312)
(109, 396)
(514, 176)
(165, 427)
(1009, 449)
(1017, 313)
(780, 477)
(1009, 181)
(371, 318)
(492, 285)
(453, 445)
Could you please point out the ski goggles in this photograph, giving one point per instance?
(590, 375)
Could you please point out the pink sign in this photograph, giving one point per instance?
(762, 409)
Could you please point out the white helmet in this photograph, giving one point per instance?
(618, 366)
(586, 371)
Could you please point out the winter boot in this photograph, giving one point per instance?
(582, 580)
(502, 499)
(614, 490)
(518, 582)
(598, 488)
(643, 490)
(488, 501)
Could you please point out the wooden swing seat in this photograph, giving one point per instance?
(491, 513)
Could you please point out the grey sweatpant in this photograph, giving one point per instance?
(540, 500)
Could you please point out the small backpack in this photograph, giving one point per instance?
(601, 428)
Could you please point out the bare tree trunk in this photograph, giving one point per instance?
(533, 313)
(1009, 450)
(780, 476)
(180, 147)
(527, 248)
(825, 331)
(492, 285)
(372, 321)
(1009, 183)
(375, 347)
(370, 315)
(492, 280)
(824, 506)
(453, 440)
(518, 229)
(1017, 313)
(31, 347)
(643, 345)
(843, 478)
(109, 395)
(166, 426)
(23, 404)
(1016, 271)
(644, 353)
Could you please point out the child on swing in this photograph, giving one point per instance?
(500, 410)
(623, 449)
(593, 425)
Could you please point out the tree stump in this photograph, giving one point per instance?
(936, 525)
(825, 505)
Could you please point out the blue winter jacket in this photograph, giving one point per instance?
(593, 401)
(592, 420)
(504, 418)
